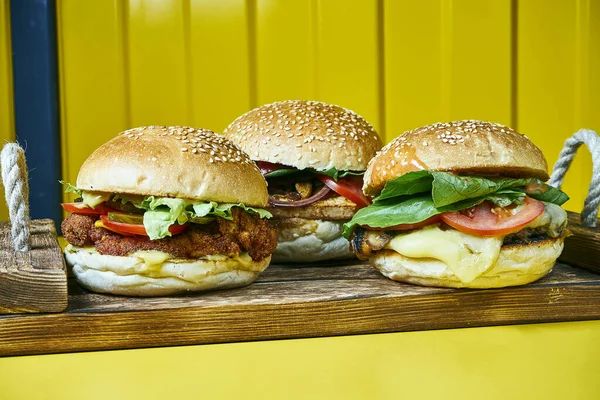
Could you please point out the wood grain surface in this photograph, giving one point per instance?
(35, 281)
(295, 302)
(583, 248)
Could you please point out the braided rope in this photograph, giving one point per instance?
(16, 191)
(592, 201)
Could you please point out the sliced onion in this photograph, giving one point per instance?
(324, 191)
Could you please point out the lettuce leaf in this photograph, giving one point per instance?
(332, 172)
(447, 188)
(162, 212)
(419, 195)
(70, 188)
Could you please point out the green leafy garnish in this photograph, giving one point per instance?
(332, 172)
(419, 195)
(162, 212)
(70, 188)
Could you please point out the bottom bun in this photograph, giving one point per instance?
(133, 276)
(306, 240)
(516, 265)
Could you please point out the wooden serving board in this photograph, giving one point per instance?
(295, 302)
(35, 281)
(583, 247)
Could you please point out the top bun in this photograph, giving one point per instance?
(177, 161)
(306, 134)
(466, 147)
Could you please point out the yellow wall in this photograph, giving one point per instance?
(7, 131)
(527, 362)
(531, 64)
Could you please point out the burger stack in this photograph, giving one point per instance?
(167, 210)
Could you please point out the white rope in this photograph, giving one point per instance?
(592, 201)
(16, 191)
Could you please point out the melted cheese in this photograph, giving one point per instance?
(467, 256)
(554, 217)
(92, 199)
(153, 259)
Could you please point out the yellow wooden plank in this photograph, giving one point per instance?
(158, 62)
(7, 127)
(347, 56)
(550, 85)
(219, 46)
(284, 50)
(93, 95)
(547, 361)
(587, 83)
(456, 65)
(477, 60)
(412, 65)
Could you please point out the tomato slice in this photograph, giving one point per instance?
(80, 208)
(268, 167)
(349, 187)
(136, 229)
(405, 227)
(486, 220)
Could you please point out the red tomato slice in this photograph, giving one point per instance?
(349, 187)
(80, 208)
(405, 227)
(484, 220)
(267, 167)
(136, 229)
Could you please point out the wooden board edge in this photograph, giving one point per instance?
(60, 333)
(582, 249)
(48, 286)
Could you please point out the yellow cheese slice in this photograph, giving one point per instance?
(92, 199)
(467, 256)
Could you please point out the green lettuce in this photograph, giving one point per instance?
(70, 188)
(419, 195)
(332, 172)
(162, 212)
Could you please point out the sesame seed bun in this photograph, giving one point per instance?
(306, 134)
(470, 147)
(180, 162)
(517, 264)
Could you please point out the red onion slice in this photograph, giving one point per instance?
(300, 203)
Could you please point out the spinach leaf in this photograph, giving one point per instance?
(411, 211)
(332, 172)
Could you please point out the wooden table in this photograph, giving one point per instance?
(295, 302)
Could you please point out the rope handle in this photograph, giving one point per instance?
(16, 192)
(592, 201)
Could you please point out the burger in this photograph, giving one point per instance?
(460, 204)
(165, 210)
(313, 156)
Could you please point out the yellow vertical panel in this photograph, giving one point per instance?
(284, 50)
(412, 64)
(347, 56)
(7, 128)
(158, 62)
(527, 362)
(92, 81)
(477, 60)
(587, 101)
(220, 78)
(547, 91)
